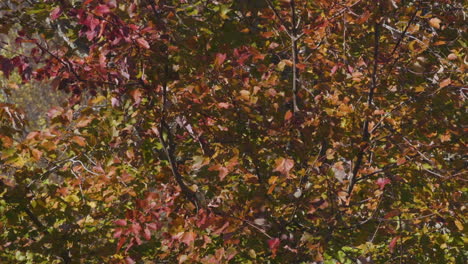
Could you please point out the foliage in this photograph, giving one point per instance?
(268, 131)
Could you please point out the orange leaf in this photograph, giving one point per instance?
(219, 60)
(284, 165)
(37, 154)
(435, 22)
(79, 140)
(445, 83)
(188, 237)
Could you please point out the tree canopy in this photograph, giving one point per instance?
(233, 131)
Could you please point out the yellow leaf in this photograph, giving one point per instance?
(272, 180)
(420, 89)
(459, 225)
(245, 94)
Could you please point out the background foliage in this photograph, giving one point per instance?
(270, 131)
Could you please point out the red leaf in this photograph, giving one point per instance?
(101, 10)
(223, 105)
(152, 226)
(121, 242)
(121, 222)
(143, 43)
(188, 237)
(334, 69)
(392, 244)
(118, 233)
(219, 60)
(129, 260)
(381, 182)
(274, 244)
(55, 13)
(147, 234)
(288, 115)
(136, 228)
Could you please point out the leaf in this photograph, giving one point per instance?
(245, 95)
(219, 59)
(459, 225)
(129, 260)
(288, 115)
(188, 237)
(101, 10)
(381, 182)
(393, 243)
(79, 140)
(37, 154)
(136, 95)
(284, 165)
(223, 171)
(435, 22)
(142, 43)
(56, 12)
(121, 222)
(224, 105)
(118, 233)
(274, 244)
(445, 83)
(135, 228)
(147, 234)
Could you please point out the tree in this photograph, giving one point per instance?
(236, 132)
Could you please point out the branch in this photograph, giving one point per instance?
(370, 100)
(295, 58)
(282, 22)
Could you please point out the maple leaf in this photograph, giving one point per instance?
(284, 165)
